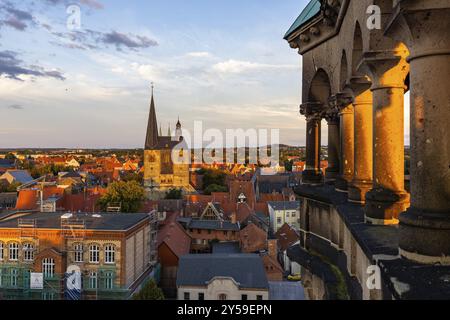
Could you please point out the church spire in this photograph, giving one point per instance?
(151, 139)
(169, 132)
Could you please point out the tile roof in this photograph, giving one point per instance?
(106, 221)
(286, 236)
(284, 205)
(225, 247)
(246, 269)
(213, 225)
(174, 236)
(21, 176)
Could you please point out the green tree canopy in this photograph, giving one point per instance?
(216, 177)
(215, 188)
(129, 194)
(149, 292)
(174, 194)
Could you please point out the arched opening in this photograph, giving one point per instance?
(357, 53)
(320, 92)
(320, 89)
(343, 75)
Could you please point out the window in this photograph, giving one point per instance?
(279, 220)
(13, 251)
(48, 267)
(259, 297)
(244, 297)
(110, 254)
(201, 296)
(93, 283)
(2, 251)
(78, 253)
(94, 254)
(14, 277)
(187, 296)
(109, 280)
(209, 231)
(225, 233)
(222, 297)
(48, 296)
(28, 252)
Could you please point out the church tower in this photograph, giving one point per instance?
(178, 131)
(160, 172)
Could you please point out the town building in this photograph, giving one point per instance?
(281, 212)
(111, 251)
(222, 277)
(16, 176)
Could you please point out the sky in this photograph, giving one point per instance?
(223, 62)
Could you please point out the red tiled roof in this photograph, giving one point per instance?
(27, 200)
(286, 237)
(176, 238)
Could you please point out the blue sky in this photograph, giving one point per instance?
(220, 61)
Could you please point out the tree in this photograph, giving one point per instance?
(174, 194)
(215, 188)
(129, 194)
(132, 176)
(216, 177)
(149, 292)
(288, 165)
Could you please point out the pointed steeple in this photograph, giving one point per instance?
(151, 139)
(169, 132)
(160, 130)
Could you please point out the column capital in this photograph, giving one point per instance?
(359, 85)
(341, 102)
(313, 111)
(387, 69)
(332, 116)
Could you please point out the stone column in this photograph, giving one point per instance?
(388, 198)
(312, 174)
(342, 102)
(362, 102)
(425, 227)
(334, 145)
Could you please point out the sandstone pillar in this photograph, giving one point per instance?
(342, 102)
(425, 227)
(388, 198)
(334, 145)
(312, 174)
(362, 181)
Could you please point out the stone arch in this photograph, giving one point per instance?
(343, 75)
(320, 89)
(358, 46)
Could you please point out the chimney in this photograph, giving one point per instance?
(273, 248)
(233, 217)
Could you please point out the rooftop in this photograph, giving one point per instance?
(213, 225)
(246, 269)
(311, 10)
(100, 221)
(284, 205)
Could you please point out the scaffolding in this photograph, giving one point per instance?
(73, 229)
(153, 238)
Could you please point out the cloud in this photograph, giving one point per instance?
(94, 4)
(12, 67)
(15, 107)
(237, 67)
(91, 39)
(127, 40)
(200, 54)
(15, 18)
